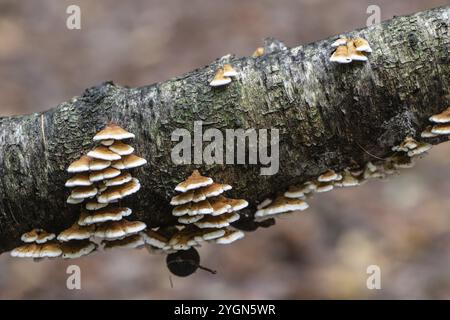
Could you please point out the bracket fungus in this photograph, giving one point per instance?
(403, 156)
(280, 205)
(220, 79)
(229, 71)
(113, 132)
(223, 76)
(98, 183)
(441, 124)
(132, 242)
(104, 218)
(77, 249)
(39, 244)
(348, 50)
(204, 214)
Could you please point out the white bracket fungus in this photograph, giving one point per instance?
(204, 214)
(220, 79)
(98, 177)
(348, 50)
(39, 244)
(223, 76)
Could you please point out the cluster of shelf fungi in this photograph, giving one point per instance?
(403, 156)
(102, 179)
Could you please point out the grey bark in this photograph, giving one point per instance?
(326, 113)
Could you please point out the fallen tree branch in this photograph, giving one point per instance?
(329, 116)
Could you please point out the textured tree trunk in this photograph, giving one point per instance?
(326, 113)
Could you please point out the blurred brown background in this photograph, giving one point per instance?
(402, 225)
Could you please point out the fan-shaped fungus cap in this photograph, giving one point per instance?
(183, 263)
(427, 133)
(362, 45)
(421, 148)
(45, 236)
(103, 153)
(408, 144)
(121, 148)
(30, 236)
(38, 236)
(50, 250)
(258, 52)
(113, 132)
(212, 190)
(328, 176)
(219, 79)
(33, 250)
(77, 249)
(131, 242)
(228, 71)
(187, 219)
(341, 55)
(183, 239)
(119, 180)
(182, 198)
(194, 181)
(355, 55)
(208, 234)
(118, 229)
(181, 210)
(221, 221)
(100, 175)
(230, 236)
(103, 215)
(129, 162)
(83, 192)
(300, 191)
(119, 192)
(71, 200)
(340, 42)
(80, 165)
(76, 232)
(94, 205)
(154, 238)
(220, 205)
(98, 164)
(236, 204)
(443, 117)
(202, 207)
(26, 251)
(441, 129)
(79, 180)
(324, 187)
(349, 180)
(294, 192)
(281, 205)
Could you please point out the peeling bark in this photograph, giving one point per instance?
(326, 113)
